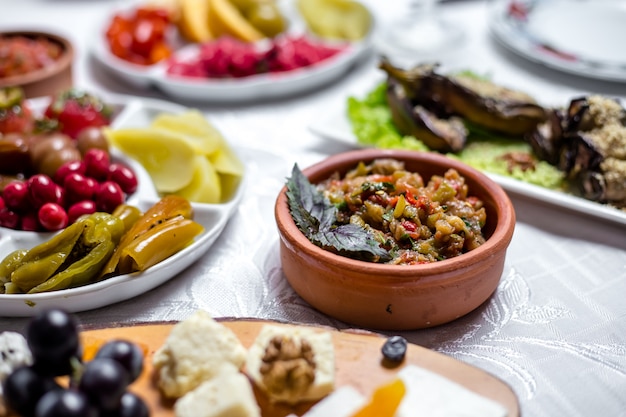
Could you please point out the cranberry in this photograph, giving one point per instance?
(69, 168)
(97, 163)
(9, 219)
(78, 187)
(109, 196)
(124, 176)
(43, 190)
(78, 209)
(52, 217)
(30, 222)
(15, 195)
(2, 205)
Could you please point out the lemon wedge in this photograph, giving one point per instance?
(203, 136)
(336, 19)
(205, 185)
(164, 154)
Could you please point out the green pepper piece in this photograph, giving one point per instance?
(105, 227)
(10, 263)
(42, 261)
(31, 274)
(93, 249)
(65, 239)
(81, 271)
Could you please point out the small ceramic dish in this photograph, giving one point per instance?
(397, 297)
(49, 79)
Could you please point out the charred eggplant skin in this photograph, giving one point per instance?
(477, 100)
(440, 135)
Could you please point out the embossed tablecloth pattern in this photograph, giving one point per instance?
(555, 329)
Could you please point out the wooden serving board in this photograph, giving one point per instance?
(358, 359)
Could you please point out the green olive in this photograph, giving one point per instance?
(91, 137)
(267, 18)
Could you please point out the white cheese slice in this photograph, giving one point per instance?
(195, 351)
(323, 355)
(228, 394)
(432, 395)
(343, 402)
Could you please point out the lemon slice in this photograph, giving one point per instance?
(205, 185)
(336, 19)
(226, 162)
(204, 137)
(164, 154)
(226, 19)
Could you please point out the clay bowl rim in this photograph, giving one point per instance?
(437, 273)
(59, 65)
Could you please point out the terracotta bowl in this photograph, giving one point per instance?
(397, 297)
(48, 80)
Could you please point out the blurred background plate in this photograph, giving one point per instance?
(578, 37)
(231, 90)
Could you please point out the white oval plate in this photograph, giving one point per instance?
(335, 126)
(255, 87)
(214, 217)
(579, 37)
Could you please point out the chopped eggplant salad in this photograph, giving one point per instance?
(400, 217)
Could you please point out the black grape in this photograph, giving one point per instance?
(65, 403)
(104, 381)
(52, 337)
(130, 406)
(128, 354)
(24, 387)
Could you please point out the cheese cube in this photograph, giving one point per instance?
(195, 351)
(323, 356)
(228, 394)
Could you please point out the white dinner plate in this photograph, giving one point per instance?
(235, 90)
(335, 126)
(582, 37)
(131, 112)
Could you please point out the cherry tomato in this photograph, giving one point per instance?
(52, 217)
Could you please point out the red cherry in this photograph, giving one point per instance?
(9, 219)
(78, 187)
(78, 209)
(43, 190)
(52, 217)
(15, 195)
(30, 222)
(109, 196)
(97, 163)
(124, 176)
(67, 168)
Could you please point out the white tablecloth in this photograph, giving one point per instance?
(555, 330)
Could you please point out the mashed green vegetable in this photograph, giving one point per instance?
(372, 125)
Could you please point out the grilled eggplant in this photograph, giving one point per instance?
(476, 100)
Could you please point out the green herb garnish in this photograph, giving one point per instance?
(316, 217)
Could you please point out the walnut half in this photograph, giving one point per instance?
(288, 366)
